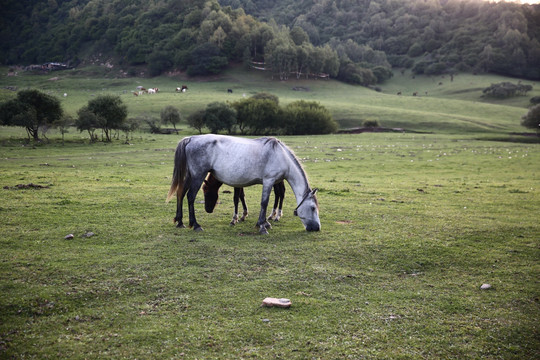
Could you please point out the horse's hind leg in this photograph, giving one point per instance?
(244, 206)
(179, 201)
(191, 195)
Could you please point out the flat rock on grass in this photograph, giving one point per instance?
(270, 302)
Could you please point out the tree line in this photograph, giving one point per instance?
(357, 41)
(260, 114)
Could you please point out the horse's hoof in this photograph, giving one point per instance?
(263, 231)
(268, 225)
(232, 223)
(181, 226)
(198, 228)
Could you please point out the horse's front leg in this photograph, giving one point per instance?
(236, 197)
(191, 195)
(262, 223)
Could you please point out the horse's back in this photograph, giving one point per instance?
(237, 161)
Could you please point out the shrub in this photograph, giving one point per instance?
(259, 115)
(532, 119)
(307, 118)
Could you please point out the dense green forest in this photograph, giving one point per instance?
(357, 41)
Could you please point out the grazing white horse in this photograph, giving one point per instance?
(151, 91)
(240, 162)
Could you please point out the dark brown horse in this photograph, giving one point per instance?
(211, 187)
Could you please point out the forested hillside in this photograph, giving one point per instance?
(357, 41)
(427, 35)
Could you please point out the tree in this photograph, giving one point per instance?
(196, 120)
(206, 59)
(87, 121)
(532, 119)
(109, 113)
(31, 109)
(171, 115)
(219, 116)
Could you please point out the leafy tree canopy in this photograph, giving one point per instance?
(31, 109)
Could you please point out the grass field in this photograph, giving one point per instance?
(412, 226)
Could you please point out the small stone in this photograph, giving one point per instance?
(269, 302)
(69, 237)
(88, 234)
(485, 287)
(266, 320)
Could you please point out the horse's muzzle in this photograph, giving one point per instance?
(313, 226)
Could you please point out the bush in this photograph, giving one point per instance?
(308, 118)
(532, 119)
(259, 115)
(370, 123)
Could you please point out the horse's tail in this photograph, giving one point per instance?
(180, 167)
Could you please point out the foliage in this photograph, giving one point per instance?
(497, 37)
(308, 118)
(219, 116)
(106, 112)
(260, 115)
(196, 120)
(532, 119)
(206, 59)
(170, 115)
(31, 109)
(506, 89)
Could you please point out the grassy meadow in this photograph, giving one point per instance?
(413, 224)
(453, 107)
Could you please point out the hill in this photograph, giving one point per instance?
(356, 41)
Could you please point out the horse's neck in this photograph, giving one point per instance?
(298, 182)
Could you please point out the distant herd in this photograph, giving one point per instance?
(141, 90)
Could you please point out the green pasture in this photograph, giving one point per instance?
(442, 105)
(412, 226)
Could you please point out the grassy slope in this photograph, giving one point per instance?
(452, 107)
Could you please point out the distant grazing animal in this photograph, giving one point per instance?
(135, 93)
(182, 89)
(229, 91)
(415, 93)
(151, 91)
(240, 162)
(211, 187)
(399, 93)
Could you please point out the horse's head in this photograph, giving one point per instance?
(308, 211)
(211, 193)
